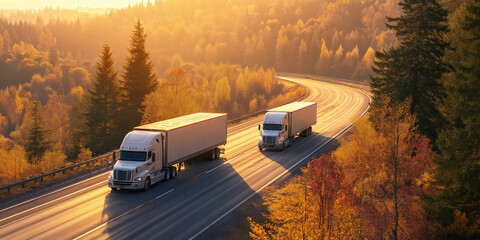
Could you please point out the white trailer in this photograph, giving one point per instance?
(283, 123)
(154, 152)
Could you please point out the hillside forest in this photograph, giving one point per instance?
(223, 55)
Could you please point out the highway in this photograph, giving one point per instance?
(185, 207)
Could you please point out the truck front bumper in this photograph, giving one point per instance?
(126, 185)
(270, 146)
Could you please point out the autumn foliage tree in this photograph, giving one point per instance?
(389, 166)
(222, 94)
(310, 206)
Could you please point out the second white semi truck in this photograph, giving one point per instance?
(154, 152)
(283, 123)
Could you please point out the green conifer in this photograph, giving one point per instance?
(36, 144)
(138, 79)
(458, 168)
(103, 106)
(414, 68)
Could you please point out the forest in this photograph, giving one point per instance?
(334, 38)
(222, 54)
(410, 169)
(56, 110)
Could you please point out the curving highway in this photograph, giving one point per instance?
(185, 207)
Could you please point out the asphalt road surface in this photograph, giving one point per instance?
(185, 207)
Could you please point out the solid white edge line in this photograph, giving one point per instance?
(113, 219)
(30, 209)
(279, 176)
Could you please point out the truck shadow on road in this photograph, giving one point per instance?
(184, 206)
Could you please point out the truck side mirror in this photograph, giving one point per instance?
(259, 127)
(153, 158)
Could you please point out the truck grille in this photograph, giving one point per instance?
(117, 183)
(122, 175)
(268, 140)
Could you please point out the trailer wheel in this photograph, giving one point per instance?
(213, 154)
(173, 172)
(217, 153)
(167, 175)
(147, 184)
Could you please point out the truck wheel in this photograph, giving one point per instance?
(167, 175)
(147, 184)
(213, 154)
(173, 172)
(217, 153)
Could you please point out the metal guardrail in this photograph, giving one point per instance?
(54, 172)
(113, 153)
(327, 79)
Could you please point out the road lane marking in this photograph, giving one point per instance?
(44, 195)
(279, 176)
(125, 213)
(198, 175)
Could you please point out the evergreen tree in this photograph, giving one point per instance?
(103, 106)
(138, 79)
(459, 164)
(36, 144)
(414, 68)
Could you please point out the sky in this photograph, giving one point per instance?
(70, 4)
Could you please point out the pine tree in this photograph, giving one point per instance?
(414, 68)
(459, 164)
(138, 79)
(103, 106)
(36, 144)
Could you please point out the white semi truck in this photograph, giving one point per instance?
(154, 152)
(283, 123)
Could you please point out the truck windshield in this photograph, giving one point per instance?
(276, 127)
(132, 156)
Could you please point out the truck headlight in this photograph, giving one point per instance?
(110, 176)
(138, 179)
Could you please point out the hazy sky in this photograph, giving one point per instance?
(71, 4)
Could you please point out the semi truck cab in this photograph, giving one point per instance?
(274, 134)
(282, 124)
(140, 162)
